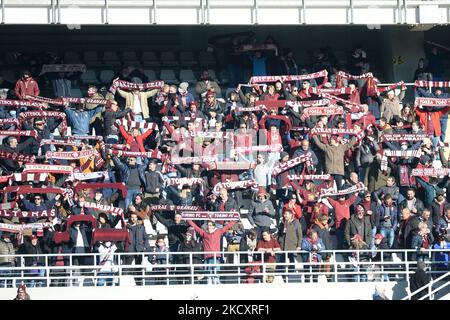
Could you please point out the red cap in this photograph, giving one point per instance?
(379, 236)
(33, 237)
(261, 190)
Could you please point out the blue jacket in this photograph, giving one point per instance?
(420, 92)
(79, 120)
(442, 256)
(125, 170)
(391, 212)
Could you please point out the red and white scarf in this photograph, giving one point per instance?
(231, 166)
(171, 207)
(156, 154)
(182, 181)
(25, 133)
(262, 148)
(47, 168)
(11, 121)
(233, 185)
(397, 153)
(428, 84)
(127, 124)
(402, 137)
(332, 131)
(208, 215)
(60, 142)
(287, 78)
(91, 175)
(45, 114)
(20, 103)
(121, 84)
(17, 156)
(29, 177)
(99, 138)
(432, 172)
(432, 102)
(188, 160)
(330, 192)
(392, 87)
(259, 47)
(283, 166)
(212, 134)
(63, 68)
(28, 214)
(101, 207)
(70, 155)
(319, 111)
(62, 101)
(295, 177)
(333, 91)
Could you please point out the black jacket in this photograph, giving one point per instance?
(51, 125)
(28, 248)
(10, 165)
(418, 280)
(138, 239)
(86, 234)
(109, 118)
(404, 234)
(175, 231)
(436, 212)
(354, 226)
(153, 180)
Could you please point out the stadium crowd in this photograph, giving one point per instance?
(321, 159)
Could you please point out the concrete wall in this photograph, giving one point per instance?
(275, 291)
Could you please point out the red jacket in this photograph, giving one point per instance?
(342, 210)
(211, 241)
(139, 139)
(434, 116)
(26, 87)
(297, 210)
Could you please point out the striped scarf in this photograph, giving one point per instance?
(155, 154)
(330, 192)
(127, 124)
(263, 148)
(430, 172)
(283, 166)
(397, 153)
(428, 84)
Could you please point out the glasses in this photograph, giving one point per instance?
(38, 198)
(295, 90)
(39, 124)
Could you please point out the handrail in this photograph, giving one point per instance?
(429, 285)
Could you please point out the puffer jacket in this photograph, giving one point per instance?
(260, 218)
(6, 248)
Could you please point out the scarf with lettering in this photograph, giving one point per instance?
(258, 47)
(17, 156)
(234, 185)
(330, 192)
(182, 181)
(261, 148)
(318, 111)
(58, 142)
(28, 214)
(352, 106)
(63, 68)
(100, 207)
(431, 102)
(25, 133)
(121, 84)
(188, 160)
(392, 87)
(295, 177)
(402, 137)
(209, 215)
(287, 78)
(155, 154)
(291, 163)
(333, 91)
(231, 166)
(10, 121)
(91, 175)
(171, 207)
(430, 172)
(63, 101)
(127, 124)
(397, 153)
(70, 155)
(45, 114)
(20, 103)
(48, 168)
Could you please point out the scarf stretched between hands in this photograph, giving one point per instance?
(127, 124)
(397, 153)
(121, 84)
(318, 111)
(70, 155)
(281, 167)
(17, 156)
(430, 172)
(100, 207)
(171, 207)
(11, 121)
(155, 154)
(182, 181)
(263, 148)
(295, 177)
(402, 137)
(258, 47)
(428, 84)
(63, 101)
(432, 102)
(287, 78)
(208, 215)
(48, 168)
(28, 214)
(45, 114)
(26, 133)
(233, 185)
(329, 192)
(188, 160)
(20, 103)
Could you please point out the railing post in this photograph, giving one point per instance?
(58, 7)
(399, 12)
(154, 12)
(207, 12)
(255, 12)
(52, 12)
(3, 10)
(106, 11)
(351, 12)
(405, 12)
(303, 14)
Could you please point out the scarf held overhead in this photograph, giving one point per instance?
(207, 215)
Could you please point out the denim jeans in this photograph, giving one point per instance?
(6, 283)
(131, 194)
(213, 269)
(389, 234)
(104, 280)
(40, 273)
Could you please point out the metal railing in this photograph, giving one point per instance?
(177, 268)
(204, 7)
(429, 287)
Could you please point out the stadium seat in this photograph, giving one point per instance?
(187, 59)
(151, 75)
(206, 59)
(11, 59)
(187, 75)
(168, 75)
(91, 59)
(150, 59)
(130, 58)
(89, 77)
(168, 58)
(71, 57)
(9, 75)
(76, 92)
(111, 58)
(106, 76)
